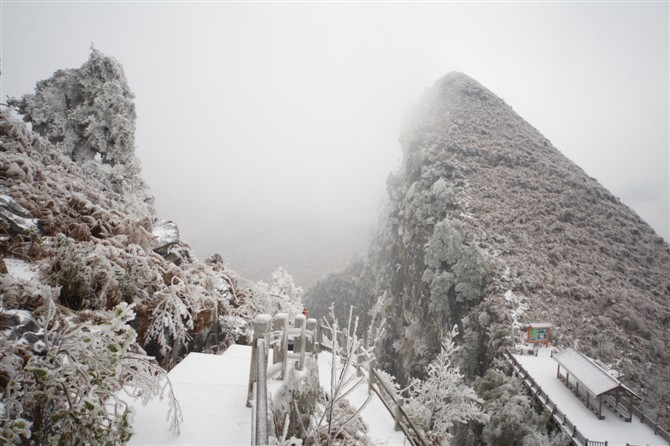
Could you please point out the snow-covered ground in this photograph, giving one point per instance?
(212, 392)
(612, 429)
(375, 415)
(20, 269)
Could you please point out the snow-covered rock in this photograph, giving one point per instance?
(17, 218)
(166, 234)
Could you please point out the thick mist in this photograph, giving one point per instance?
(267, 131)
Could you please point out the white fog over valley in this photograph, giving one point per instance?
(267, 130)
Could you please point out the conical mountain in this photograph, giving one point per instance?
(489, 226)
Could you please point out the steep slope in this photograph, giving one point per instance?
(485, 216)
(112, 285)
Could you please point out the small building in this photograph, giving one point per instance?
(593, 384)
(539, 333)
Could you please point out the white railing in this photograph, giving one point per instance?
(308, 336)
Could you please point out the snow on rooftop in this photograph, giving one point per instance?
(540, 325)
(597, 380)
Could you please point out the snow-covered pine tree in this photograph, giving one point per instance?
(443, 398)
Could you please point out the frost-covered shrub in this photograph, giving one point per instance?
(70, 271)
(513, 417)
(443, 398)
(294, 404)
(284, 287)
(68, 392)
(170, 318)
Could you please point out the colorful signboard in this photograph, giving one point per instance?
(539, 333)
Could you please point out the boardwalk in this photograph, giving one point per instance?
(613, 429)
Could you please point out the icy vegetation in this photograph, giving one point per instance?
(98, 295)
(489, 226)
(90, 115)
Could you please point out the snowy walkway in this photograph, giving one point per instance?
(212, 392)
(375, 415)
(613, 429)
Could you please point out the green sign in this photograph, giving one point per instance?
(539, 334)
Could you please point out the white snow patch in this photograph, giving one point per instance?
(518, 307)
(20, 269)
(212, 392)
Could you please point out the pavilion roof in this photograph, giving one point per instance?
(596, 379)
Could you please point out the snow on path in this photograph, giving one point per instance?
(375, 415)
(212, 392)
(612, 429)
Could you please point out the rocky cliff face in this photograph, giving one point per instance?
(489, 225)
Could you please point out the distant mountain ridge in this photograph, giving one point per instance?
(486, 217)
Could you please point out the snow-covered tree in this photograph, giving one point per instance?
(284, 286)
(66, 388)
(443, 398)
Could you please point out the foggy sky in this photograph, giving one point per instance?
(251, 113)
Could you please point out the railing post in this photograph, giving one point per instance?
(360, 360)
(311, 327)
(299, 342)
(319, 338)
(261, 395)
(253, 416)
(280, 352)
(371, 374)
(398, 413)
(261, 327)
(279, 323)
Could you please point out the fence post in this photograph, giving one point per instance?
(261, 326)
(360, 359)
(280, 352)
(261, 395)
(371, 374)
(398, 413)
(299, 342)
(311, 327)
(319, 338)
(279, 323)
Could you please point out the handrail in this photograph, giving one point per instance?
(644, 418)
(261, 407)
(391, 393)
